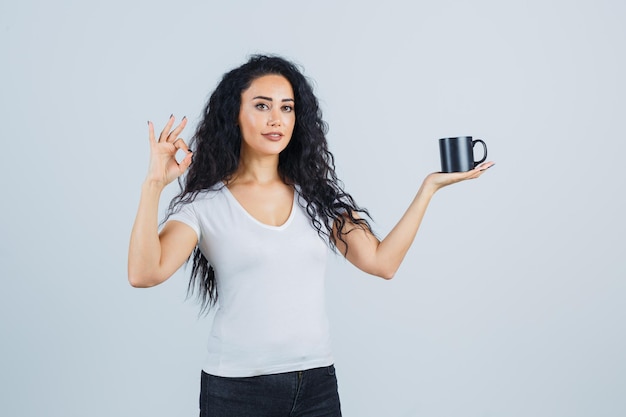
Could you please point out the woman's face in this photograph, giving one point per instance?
(267, 116)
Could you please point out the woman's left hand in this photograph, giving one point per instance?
(438, 180)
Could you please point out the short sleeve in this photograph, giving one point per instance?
(187, 215)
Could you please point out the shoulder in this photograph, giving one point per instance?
(199, 208)
(199, 200)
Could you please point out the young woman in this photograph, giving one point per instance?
(260, 205)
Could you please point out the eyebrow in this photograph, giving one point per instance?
(270, 99)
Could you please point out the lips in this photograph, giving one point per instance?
(273, 136)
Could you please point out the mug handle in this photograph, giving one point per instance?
(484, 148)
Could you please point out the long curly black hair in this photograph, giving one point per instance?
(306, 161)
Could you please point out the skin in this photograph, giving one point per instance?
(266, 118)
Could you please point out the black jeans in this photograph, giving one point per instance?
(309, 393)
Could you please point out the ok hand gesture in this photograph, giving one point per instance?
(163, 167)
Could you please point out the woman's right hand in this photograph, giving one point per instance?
(163, 167)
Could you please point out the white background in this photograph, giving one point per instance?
(511, 302)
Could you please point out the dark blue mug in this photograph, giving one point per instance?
(457, 154)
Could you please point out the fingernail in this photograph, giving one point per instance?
(171, 115)
(184, 117)
(148, 122)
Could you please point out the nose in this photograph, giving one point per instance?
(273, 118)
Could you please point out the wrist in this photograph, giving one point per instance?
(151, 185)
(429, 187)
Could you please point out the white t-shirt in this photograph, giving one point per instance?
(271, 315)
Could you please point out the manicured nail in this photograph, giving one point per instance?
(184, 117)
(148, 122)
(171, 115)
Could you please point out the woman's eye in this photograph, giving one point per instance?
(287, 109)
(262, 106)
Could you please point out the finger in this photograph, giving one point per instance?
(480, 170)
(166, 129)
(150, 132)
(173, 136)
(180, 144)
(485, 165)
(184, 164)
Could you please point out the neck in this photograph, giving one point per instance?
(258, 170)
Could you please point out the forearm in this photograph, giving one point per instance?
(390, 252)
(144, 252)
(383, 258)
